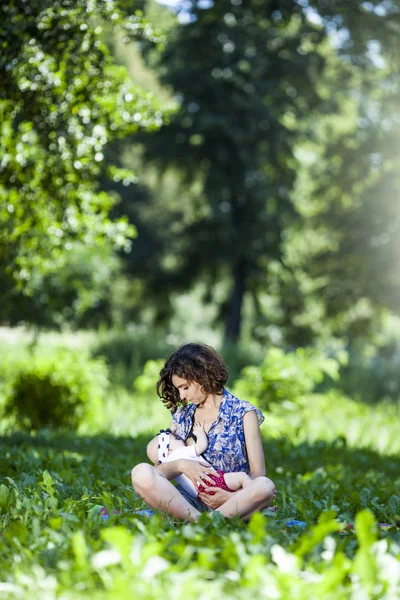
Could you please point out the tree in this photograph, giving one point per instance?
(236, 73)
(353, 190)
(62, 101)
(79, 292)
(247, 77)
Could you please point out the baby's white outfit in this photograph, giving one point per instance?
(181, 452)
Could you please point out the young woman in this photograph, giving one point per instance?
(191, 385)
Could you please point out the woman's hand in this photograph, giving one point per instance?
(217, 500)
(197, 472)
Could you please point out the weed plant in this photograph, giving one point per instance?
(55, 544)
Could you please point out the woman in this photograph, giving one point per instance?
(191, 386)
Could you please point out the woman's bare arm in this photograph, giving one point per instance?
(255, 452)
(255, 455)
(173, 468)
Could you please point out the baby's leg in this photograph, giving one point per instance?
(236, 481)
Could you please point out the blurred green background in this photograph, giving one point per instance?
(197, 171)
(212, 171)
(225, 172)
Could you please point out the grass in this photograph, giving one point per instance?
(334, 461)
(56, 545)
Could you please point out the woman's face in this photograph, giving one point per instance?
(189, 391)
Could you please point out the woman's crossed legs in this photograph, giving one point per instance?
(161, 494)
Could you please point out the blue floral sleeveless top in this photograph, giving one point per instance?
(226, 444)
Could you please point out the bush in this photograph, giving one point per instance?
(285, 376)
(63, 390)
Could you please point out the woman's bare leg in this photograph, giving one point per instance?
(255, 496)
(160, 494)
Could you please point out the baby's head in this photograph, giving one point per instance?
(152, 447)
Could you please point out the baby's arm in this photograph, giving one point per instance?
(201, 436)
(236, 481)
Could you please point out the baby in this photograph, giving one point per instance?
(170, 448)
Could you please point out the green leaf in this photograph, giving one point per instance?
(79, 548)
(366, 529)
(365, 563)
(317, 533)
(48, 484)
(5, 496)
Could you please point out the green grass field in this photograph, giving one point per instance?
(54, 543)
(334, 461)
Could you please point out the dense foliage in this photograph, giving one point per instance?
(60, 546)
(64, 389)
(276, 219)
(278, 200)
(285, 140)
(54, 540)
(62, 101)
(285, 377)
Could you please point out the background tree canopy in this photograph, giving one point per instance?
(279, 130)
(271, 188)
(62, 100)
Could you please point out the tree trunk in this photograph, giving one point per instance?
(234, 317)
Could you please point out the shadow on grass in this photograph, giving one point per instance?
(310, 477)
(73, 442)
(280, 454)
(308, 457)
(97, 462)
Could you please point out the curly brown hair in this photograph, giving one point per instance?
(194, 362)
